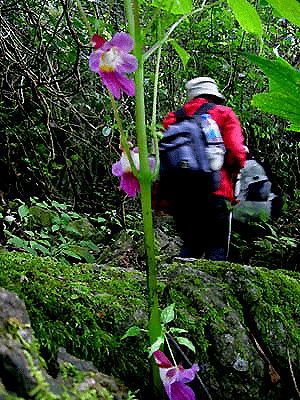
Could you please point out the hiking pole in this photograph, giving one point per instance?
(229, 233)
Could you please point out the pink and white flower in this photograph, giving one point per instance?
(111, 60)
(129, 183)
(174, 378)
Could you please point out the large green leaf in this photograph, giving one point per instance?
(289, 9)
(179, 7)
(283, 98)
(284, 105)
(183, 54)
(247, 16)
(283, 77)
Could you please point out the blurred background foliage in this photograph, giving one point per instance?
(58, 137)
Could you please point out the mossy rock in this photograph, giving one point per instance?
(81, 229)
(243, 320)
(41, 217)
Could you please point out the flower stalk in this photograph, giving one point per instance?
(145, 179)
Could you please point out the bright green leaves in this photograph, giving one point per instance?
(183, 54)
(249, 20)
(246, 16)
(179, 7)
(281, 74)
(283, 98)
(290, 9)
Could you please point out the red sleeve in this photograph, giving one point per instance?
(169, 119)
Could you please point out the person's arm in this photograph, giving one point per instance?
(234, 142)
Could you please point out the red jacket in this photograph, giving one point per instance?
(231, 131)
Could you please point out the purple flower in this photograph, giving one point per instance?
(129, 183)
(111, 60)
(174, 378)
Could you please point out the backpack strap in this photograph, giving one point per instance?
(203, 109)
(181, 115)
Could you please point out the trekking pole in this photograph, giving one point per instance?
(229, 234)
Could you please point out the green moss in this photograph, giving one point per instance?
(81, 310)
(87, 308)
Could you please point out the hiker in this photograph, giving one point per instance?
(203, 216)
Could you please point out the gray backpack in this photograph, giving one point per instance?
(253, 192)
(192, 143)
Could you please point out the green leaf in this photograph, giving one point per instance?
(91, 245)
(30, 251)
(156, 346)
(186, 342)
(89, 258)
(183, 54)
(246, 16)
(133, 331)
(55, 228)
(295, 128)
(65, 219)
(71, 254)
(19, 243)
(167, 315)
(290, 9)
(281, 74)
(40, 247)
(179, 7)
(177, 330)
(284, 105)
(29, 233)
(23, 211)
(284, 96)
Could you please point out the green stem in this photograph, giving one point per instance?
(153, 121)
(123, 137)
(170, 350)
(84, 18)
(130, 16)
(173, 27)
(145, 179)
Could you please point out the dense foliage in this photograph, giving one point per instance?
(58, 136)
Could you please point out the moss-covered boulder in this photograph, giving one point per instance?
(243, 321)
(22, 372)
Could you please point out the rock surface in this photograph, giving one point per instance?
(244, 322)
(21, 372)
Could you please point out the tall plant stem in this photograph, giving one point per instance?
(145, 179)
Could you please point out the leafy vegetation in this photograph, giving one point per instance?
(58, 137)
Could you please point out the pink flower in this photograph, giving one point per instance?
(174, 378)
(129, 183)
(111, 60)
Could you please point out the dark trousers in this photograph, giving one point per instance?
(202, 221)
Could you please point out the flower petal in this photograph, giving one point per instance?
(123, 41)
(127, 85)
(128, 64)
(180, 391)
(94, 61)
(187, 375)
(130, 184)
(162, 360)
(117, 169)
(111, 82)
(98, 41)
